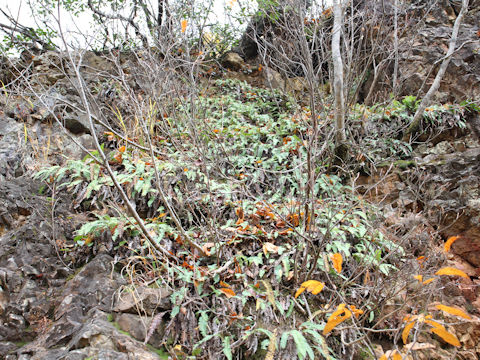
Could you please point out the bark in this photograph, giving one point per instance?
(338, 90)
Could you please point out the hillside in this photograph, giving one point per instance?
(175, 205)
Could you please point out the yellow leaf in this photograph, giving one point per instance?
(337, 261)
(337, 318)
(184, 25)
(299, 291)
(453, 311)
(449, 242)
(446, 336)
(312, 286)
(418, 277)
(384, 357)
(355, 311)
(451, 271)
(428, 281)
(406, 331)
(435, 324)
(397, 356)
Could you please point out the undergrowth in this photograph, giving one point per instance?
(234, 171)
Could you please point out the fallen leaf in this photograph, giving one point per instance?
(449, 242)
(312, 286)
(268, 247)
(406, 331)
(206, 248)
(451, 271)
(184, 25)
(337, 261)
(337, 318)
(418, 277)
(228, 292)
(446, 336)
(453, 311)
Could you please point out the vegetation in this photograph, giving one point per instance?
(233, 195)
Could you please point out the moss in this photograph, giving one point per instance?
(162, 353)
(110, 317)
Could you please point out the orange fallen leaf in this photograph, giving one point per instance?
(451, 271)
(406, 331)
(285, 232)
(337, 317)
(453, 311)
(184, 25)
(312, 286)
(228, 292)
(446, 336)
(449, 242)
(337, 261)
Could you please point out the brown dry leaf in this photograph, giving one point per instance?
(270, 293)
(268, 247)
(285, 232)
(415, 346)
(451, 271)
(206, 248)
(449, 242)
(272, 346)
(337, 261)
(453, 311)
(228, 292)
(239, 212)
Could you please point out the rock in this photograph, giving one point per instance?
(296, 85)
(233, 61)
(138, 327)
(11, 149)
(452, 186)
(73, 149)
(77, 123)
(273, 79)
(144, 300)
(421, 51)
(7, 347)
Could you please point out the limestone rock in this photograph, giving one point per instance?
(144, 299)
(233, 61)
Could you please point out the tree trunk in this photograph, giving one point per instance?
(338, 90)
